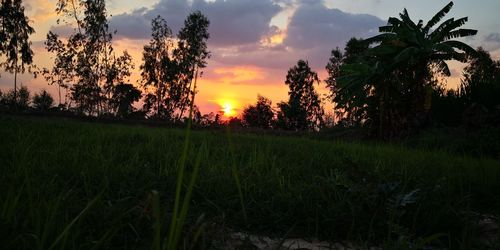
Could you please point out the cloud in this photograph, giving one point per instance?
(492, 42)
(315, 25)
(312, 32)
(40, 10)
(493, 37)
(232, 22)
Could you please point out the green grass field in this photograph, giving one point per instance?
(73, 185)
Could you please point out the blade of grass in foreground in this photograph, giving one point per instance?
(185, 204)
(179, 213)
(234, 171)
(68, 227)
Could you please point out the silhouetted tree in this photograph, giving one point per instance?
(61, 74)
(448, 107)
(124, 95)
(159, 72)
(481, 81)
(350, 104)
(87, 59)
(400, 68)
(19, 99)
(303, 109)
(259, 115)
(15, 45)
(191, 55)
(42, 101)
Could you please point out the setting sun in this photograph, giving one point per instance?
(228, 108)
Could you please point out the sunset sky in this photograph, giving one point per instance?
(255, 42)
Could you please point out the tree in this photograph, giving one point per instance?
(191, 55)
(42, 101)
(303, 109)
(87, 59)
(481, 81)
(159, 71)
(259, 115)
(124, 95)
(14, 39)
(351, 103)
(61, 74)
(399, 70)
(20, 99)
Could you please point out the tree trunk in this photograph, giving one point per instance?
(193, 95)
(183, 107)
(59, 90)
(15, 87)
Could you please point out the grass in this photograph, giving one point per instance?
(73, 185)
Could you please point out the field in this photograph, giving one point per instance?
(74, 185)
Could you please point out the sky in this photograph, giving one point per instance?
(254, 42)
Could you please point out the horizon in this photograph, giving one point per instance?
(254, 43)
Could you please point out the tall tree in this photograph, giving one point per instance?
(303, 109)
(61, 74)
(259, 115)
(87, 59)
(159, 71)
(15, 45)
(192, 54)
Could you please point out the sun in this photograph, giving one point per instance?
(228, 107)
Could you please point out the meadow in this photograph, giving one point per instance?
(68, 184)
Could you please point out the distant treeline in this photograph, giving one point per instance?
(391, 84)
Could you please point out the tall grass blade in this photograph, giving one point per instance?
(68, 227)
(234, 171)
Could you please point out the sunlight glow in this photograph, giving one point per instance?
(228, 107)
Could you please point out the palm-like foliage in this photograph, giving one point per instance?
(413, 43)
(400, 67)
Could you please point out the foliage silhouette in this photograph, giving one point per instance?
(87, 61)
(259, 115)
(42, 101)
(303, 110)
(124, 95)
(15, 45)
(481, 81)
(398, 71)
(192, 54)
(351, 104)
(159, 71)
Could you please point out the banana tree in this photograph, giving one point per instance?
(408, 54)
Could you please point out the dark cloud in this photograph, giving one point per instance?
(493, 37)
(315, 25)
(232, 22)
(132, 25)
(492, 42)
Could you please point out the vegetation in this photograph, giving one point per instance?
(79, 185)
(395, 78)
(169, 71)
(15, 46)
(259, 115)
(303, 109)
(42, 101)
